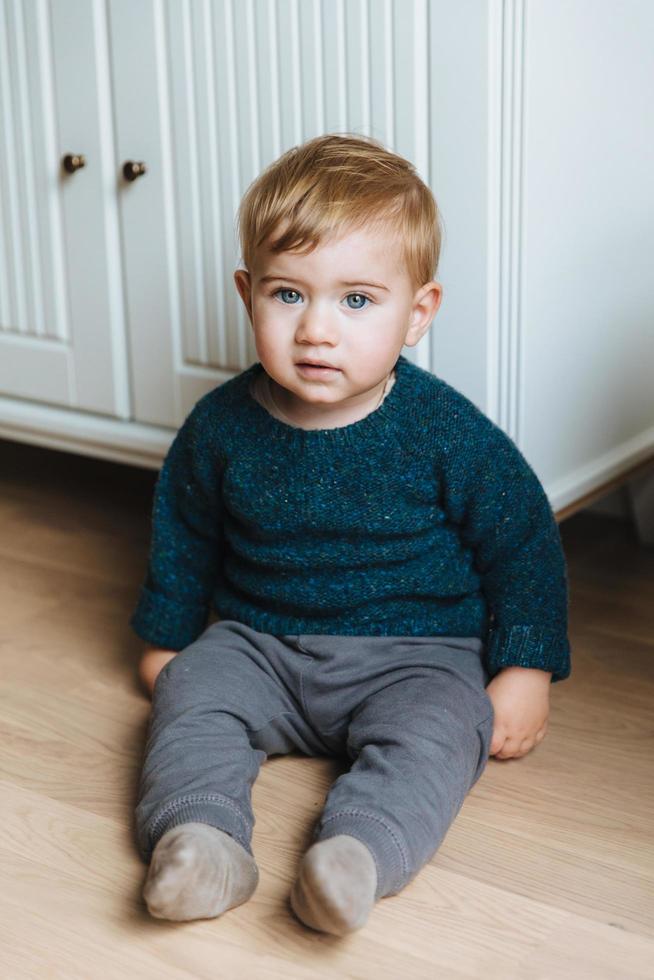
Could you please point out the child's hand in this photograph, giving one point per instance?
(521, 701)
(152, 662)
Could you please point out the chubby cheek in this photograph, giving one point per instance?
(275, 329)
(367, 366)
(273, 352)
(269, 342)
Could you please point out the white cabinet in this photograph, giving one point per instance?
(61, 311)
(117, 306)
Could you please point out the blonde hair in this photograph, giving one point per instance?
(336, 182)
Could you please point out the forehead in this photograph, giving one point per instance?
(350, 254)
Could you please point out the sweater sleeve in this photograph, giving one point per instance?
(186, 538)
(503, 514)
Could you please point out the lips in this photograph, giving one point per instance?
(317, 364)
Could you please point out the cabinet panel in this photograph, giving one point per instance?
(61, 323)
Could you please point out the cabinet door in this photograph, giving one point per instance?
(61, 309)
(207, 95)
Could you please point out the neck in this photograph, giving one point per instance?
(338, 416)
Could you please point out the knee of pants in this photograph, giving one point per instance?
(188, 673)
(199, 673)
(201, 681)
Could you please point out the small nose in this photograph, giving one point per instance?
(316, 326)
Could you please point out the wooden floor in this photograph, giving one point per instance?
(547, 872)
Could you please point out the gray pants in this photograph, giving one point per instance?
(410, 712)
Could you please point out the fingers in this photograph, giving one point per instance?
(511, 748)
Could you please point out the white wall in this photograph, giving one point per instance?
(587, 285)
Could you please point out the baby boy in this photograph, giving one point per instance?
(385, 564)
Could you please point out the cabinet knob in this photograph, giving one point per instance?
(73, 161)
(133, 169)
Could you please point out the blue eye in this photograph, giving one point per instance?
(362, 301)
(282, 293)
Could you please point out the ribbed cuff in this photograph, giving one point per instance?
(217, 811)
(381, 841)
(529, 646)
(167, 623)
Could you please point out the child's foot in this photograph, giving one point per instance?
(335, 887)
(198, 872)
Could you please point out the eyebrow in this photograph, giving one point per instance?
(370, 285)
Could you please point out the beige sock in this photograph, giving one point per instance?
(335, 887)
(198, 872)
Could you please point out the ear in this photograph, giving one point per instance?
(244, 286)
(426, 303)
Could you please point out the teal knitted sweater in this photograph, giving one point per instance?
(423, 518)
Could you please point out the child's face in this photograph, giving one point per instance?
(350, 302)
